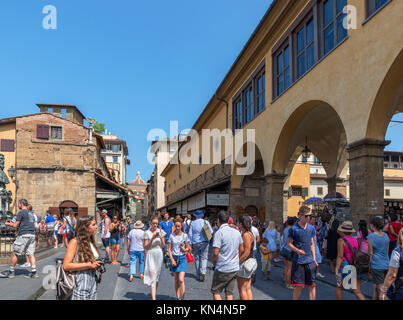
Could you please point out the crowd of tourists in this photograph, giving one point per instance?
(239, 250)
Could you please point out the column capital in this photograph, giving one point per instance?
(367, 142)
(366, 148)
(335, 179)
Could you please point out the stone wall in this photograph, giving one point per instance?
(49, 171)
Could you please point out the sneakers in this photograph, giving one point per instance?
(131, 278)
(320, 275)
(276, 260)
(26, 265)
(141, 277)
(32, 275)
(7, 274)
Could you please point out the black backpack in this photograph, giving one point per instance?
(361, 261)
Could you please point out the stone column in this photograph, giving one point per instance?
(274, 197)
(366, 178)
(235, 198)
(337, 184)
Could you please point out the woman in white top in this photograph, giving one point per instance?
(153, 243)
(81, 257)
(178, 246)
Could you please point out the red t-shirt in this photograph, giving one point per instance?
(396, 228)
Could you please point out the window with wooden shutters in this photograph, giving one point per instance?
(7, 145)
(42, 131)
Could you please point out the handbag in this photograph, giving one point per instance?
(65, 282)
(250, 265)
(189, 257)
(286, 253)
(206, 231)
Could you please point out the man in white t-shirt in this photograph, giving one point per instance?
(227, 246)
(136, 249)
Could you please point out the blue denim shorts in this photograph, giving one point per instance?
(114, 241)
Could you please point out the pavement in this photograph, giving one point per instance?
(115, 284)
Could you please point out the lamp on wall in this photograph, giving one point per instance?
(306, 152)
(11, 174)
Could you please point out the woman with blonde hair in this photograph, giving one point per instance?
(273, 236)
(82, 258)
(393, 284)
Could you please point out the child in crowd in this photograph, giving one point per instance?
(266, 256)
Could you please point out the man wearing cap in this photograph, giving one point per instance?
(136, 249)
(105, 233)
(301, 240)
(199, 244)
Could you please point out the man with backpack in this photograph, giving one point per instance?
(24, 244)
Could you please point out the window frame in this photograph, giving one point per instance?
(371, 4)
(310, 16)
(322, 27)
(239, 97)
(51, 137)
(280, 50)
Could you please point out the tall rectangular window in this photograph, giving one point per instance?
(248, 99)
(333, 31)
(283, 71)
(260, 91)
(374, 5)
(238, 113)
(305, 47)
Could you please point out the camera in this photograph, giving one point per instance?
(102, 266)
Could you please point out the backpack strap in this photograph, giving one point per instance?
(352, 249)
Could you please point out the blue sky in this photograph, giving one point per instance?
(131, 64)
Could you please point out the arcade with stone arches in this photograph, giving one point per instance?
(342, 132)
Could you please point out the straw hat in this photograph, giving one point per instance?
(346, 226)
(138, 225)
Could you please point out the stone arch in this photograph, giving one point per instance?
(318, 123)
(388, 100)
(248, 190)
(237, 179)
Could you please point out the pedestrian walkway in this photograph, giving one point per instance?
(21, 288)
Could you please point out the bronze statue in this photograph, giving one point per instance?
(5, 195)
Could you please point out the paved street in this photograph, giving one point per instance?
(195, 290)
(115, 284)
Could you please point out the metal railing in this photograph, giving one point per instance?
(44, 241)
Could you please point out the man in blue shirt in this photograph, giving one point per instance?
(301, 240)
(50, 227)
(166, 225)
(199, 244)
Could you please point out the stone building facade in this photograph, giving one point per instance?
(56, 160)
(290, 85)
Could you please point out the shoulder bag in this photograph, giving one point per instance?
(206, 231)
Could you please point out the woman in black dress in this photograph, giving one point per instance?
(332, 237)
